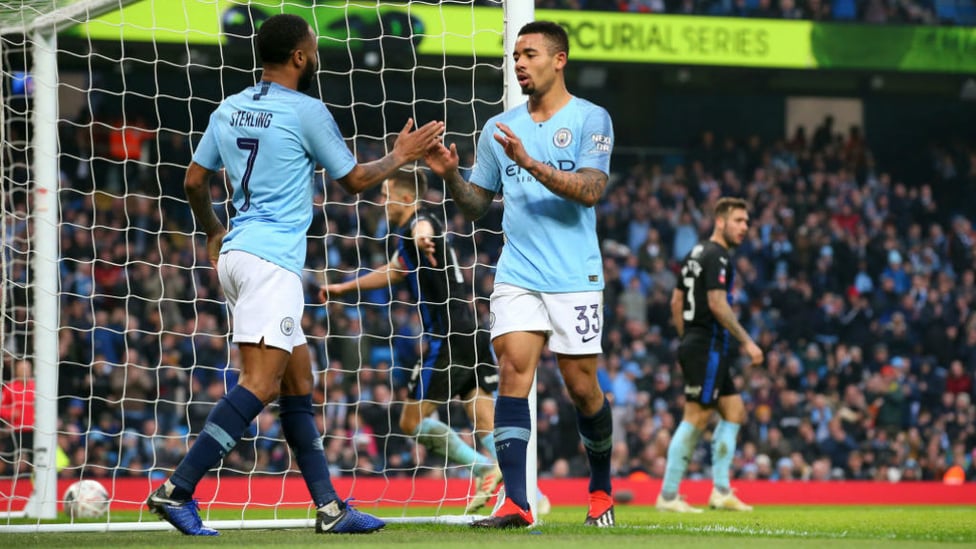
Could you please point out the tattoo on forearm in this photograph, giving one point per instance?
(726, 317)
(585, 186)
(470, 198)
(210, 223)
(377, 171)
(203, 210)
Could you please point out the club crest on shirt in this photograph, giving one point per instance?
(721, 276)
(287, 325)
(562, 138)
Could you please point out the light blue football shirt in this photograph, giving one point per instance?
(550, 242)
(270, 138)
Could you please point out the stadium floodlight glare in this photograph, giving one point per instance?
(95, 233)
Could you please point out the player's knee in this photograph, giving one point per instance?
(583, 393)
(735, 416)
(510, 368)
(267, 390)
(697, 417)
(296, 387)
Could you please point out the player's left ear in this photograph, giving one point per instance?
(560, 60)
(298, 58)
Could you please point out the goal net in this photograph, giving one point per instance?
(109, 300)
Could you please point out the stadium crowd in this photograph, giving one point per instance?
(861, 289)
(918, 12)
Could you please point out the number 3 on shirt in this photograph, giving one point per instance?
(689, 313)
(249, 144)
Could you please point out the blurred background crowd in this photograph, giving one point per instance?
(859, 285)
(861, 289)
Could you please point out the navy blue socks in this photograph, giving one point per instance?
(512, 428)
(298, 425)
(224, 427)
(596, 431)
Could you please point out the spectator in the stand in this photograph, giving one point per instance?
(17, 416)
(959, 380)
(790, 10)
(642, 6)
(765, 9)
(685, 234)
(838, 446)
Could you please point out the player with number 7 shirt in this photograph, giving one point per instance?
(551, 160)
(269, 139)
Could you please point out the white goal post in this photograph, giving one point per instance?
(129, 246)
(39, 24)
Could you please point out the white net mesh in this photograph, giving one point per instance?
(144, 348)
(15, 344)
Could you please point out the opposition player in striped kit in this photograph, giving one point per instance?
(269, 139)
(551, 160)
(703, 316)
(456, 359)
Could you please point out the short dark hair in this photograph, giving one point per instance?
(726, 204)
(411, 179)
(554, 33)
(279, 36)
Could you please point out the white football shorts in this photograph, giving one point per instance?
(265, 300)
(573, 321)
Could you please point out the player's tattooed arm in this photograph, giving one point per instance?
(472, 200)
(678, 310)
(197, 187)
(409, 146)
(585, 186)
(723, 313)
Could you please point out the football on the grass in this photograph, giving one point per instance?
(86, 499)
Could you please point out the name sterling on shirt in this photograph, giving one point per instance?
(251, 119)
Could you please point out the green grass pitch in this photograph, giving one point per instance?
(637, 526)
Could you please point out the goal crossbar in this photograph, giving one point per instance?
(24, 16)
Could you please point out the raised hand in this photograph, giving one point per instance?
(442, 160)
(512, 145)
(412, 145)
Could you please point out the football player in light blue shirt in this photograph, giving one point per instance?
(550, 234)
(550, 158)
(269, 139)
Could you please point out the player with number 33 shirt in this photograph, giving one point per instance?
(550, 158)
